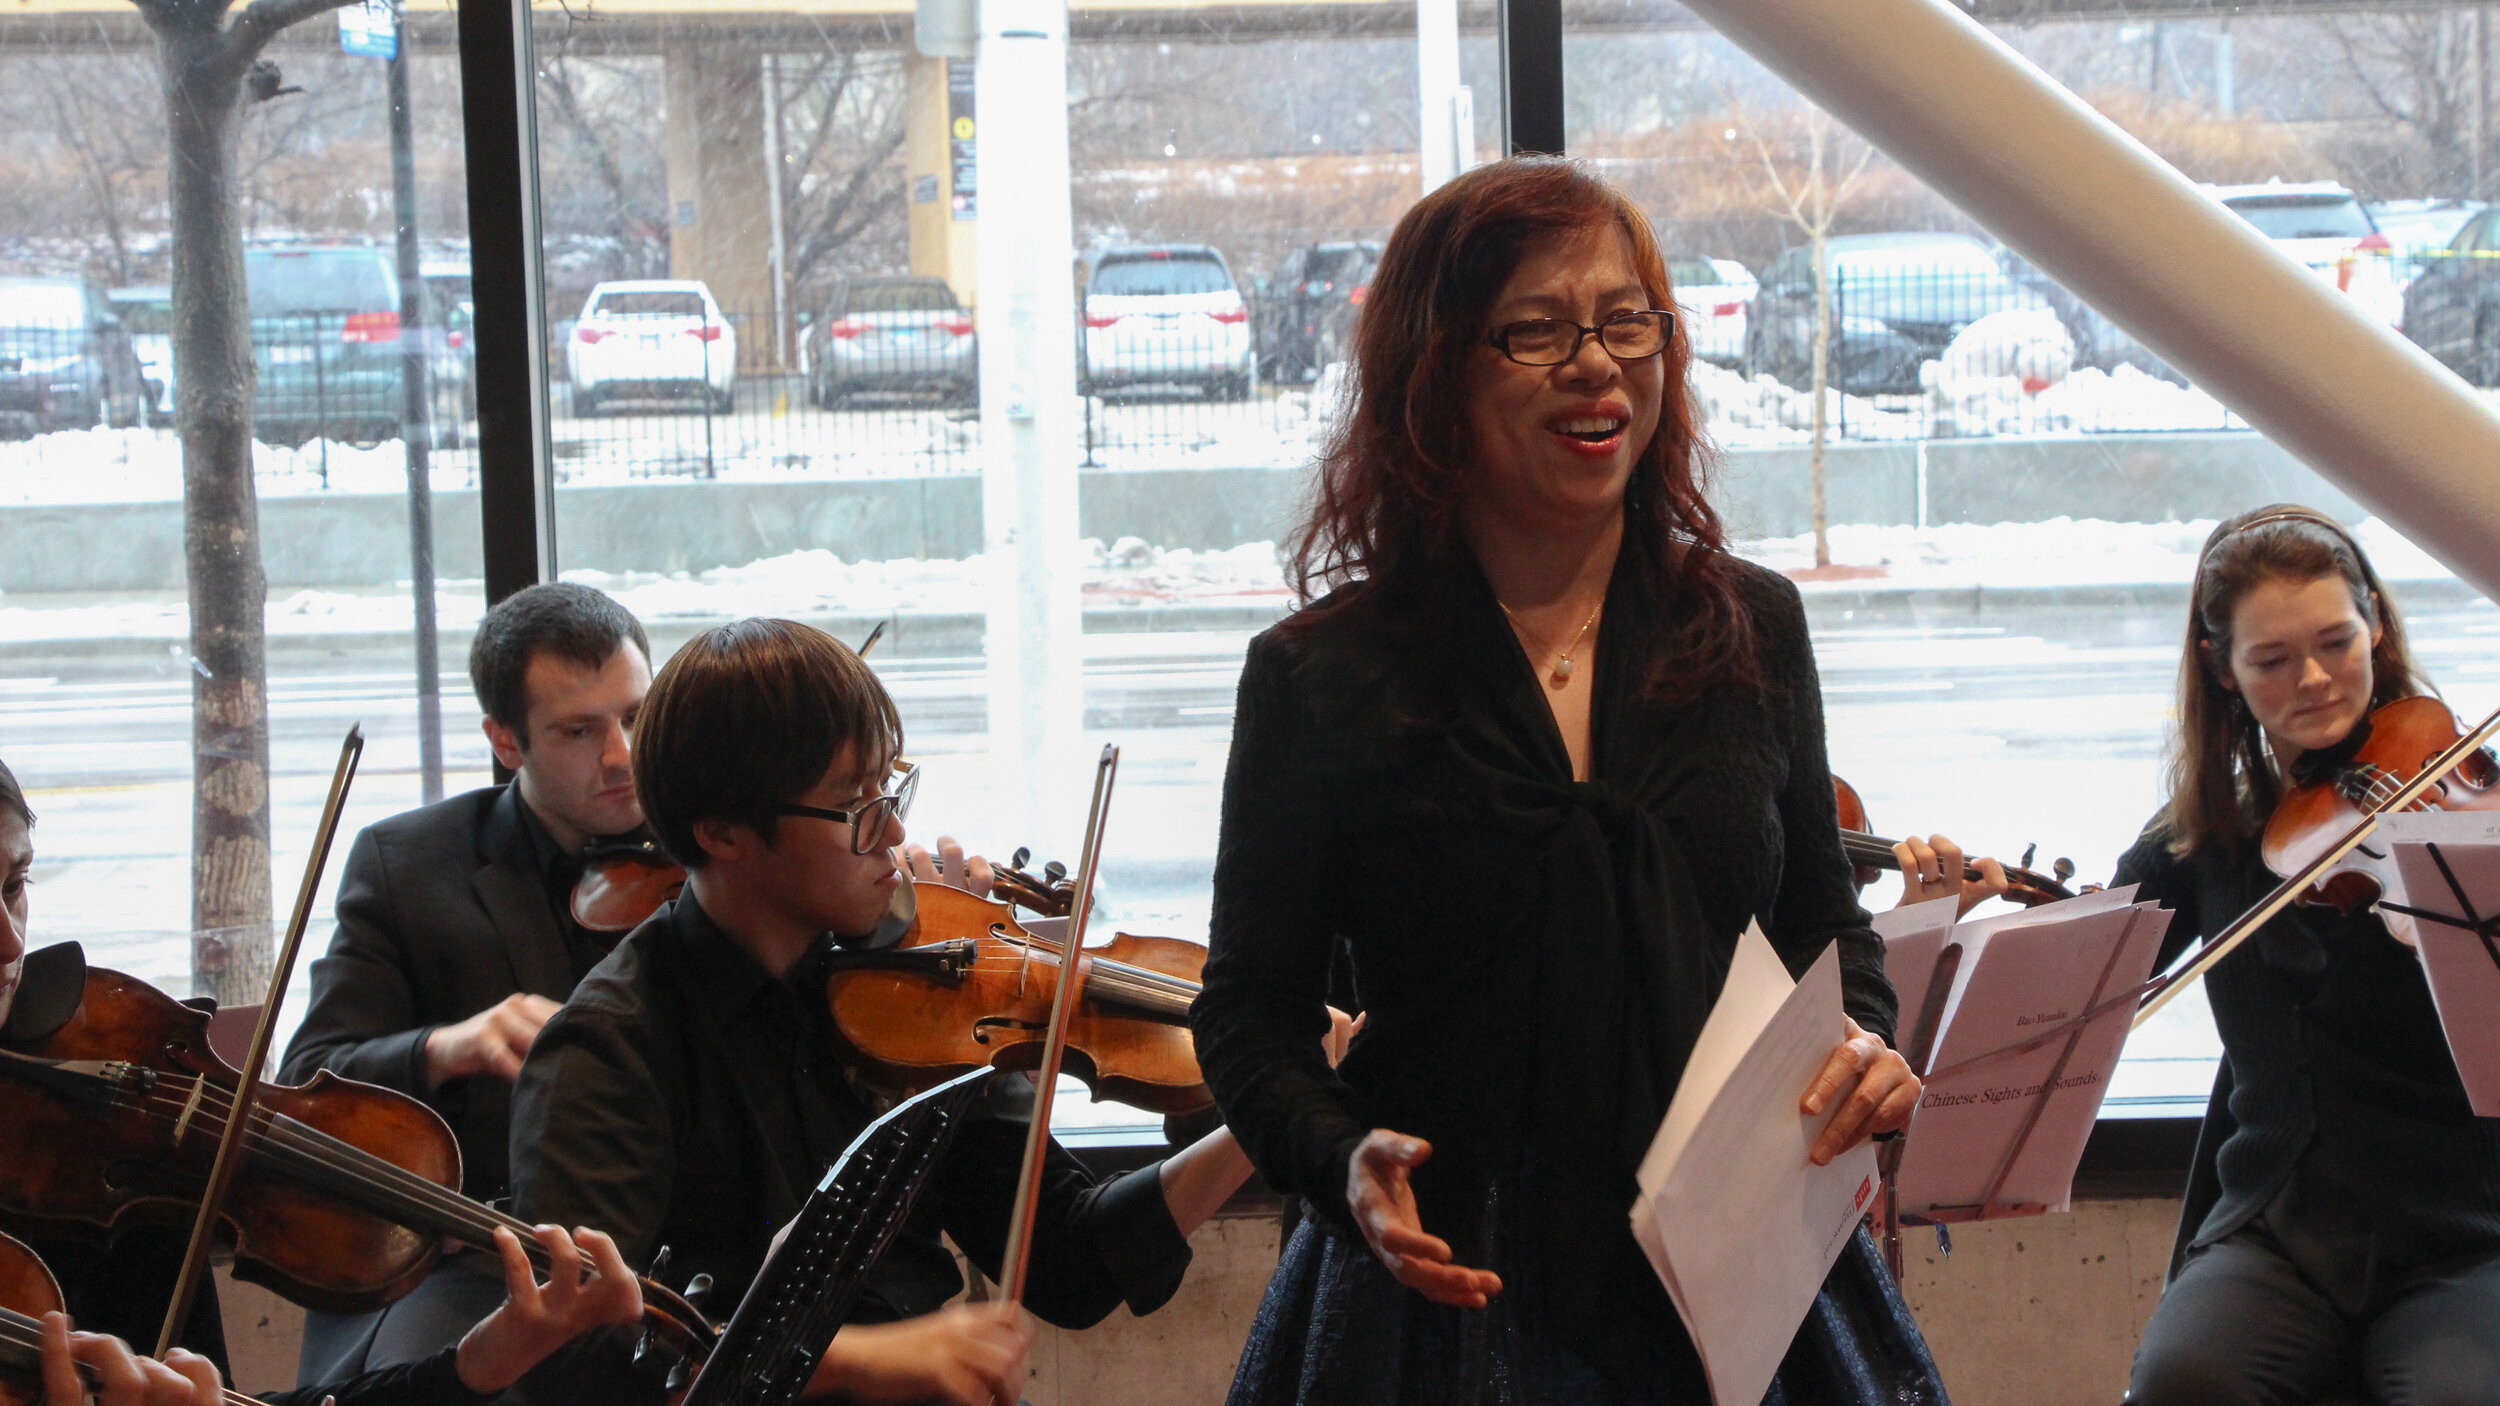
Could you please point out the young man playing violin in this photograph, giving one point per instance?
(688, 1096)
(456, 936)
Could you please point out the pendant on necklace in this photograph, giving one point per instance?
(1560, 677)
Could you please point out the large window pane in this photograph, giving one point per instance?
(96, 711)
(816, 185)
(2015, 488)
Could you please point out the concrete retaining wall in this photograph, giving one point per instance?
(362, 539)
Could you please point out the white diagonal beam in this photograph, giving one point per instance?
(2123, 229)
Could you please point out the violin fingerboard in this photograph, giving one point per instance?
(797, 1302)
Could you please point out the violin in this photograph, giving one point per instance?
(347, 1192)
(2403, 737)
(968, 987)
(28, 1292)
(623, 882)
(1871, 855)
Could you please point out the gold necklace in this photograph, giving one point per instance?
(1558, 675)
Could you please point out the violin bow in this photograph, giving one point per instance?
(1012, 1265)
(247, 1092)
(2432, 773)
(871, 642)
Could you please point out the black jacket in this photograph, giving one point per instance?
(686, 1098)
(442, 912)
(2334, 1045)
(1534, 956)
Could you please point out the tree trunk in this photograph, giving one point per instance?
(1821, 380)
(213, 376)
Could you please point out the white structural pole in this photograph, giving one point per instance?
(2127, 232)
(1027, 321)
(1436, 91)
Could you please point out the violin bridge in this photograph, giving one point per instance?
(191, 1105)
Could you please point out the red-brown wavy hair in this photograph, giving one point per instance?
(1385, 507)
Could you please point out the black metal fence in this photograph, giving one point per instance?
(1928, 347)
(1914, 353)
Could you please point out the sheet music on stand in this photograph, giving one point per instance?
(1739, 1225)
(2448, 882)
(2016, 1023)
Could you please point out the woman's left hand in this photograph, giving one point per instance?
(1877, 1088)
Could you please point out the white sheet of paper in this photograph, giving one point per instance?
(2464, 976)
(2025, 979)
(1739, 1225)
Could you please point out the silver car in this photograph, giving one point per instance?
(899, 335)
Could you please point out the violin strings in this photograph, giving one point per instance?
(25, 1333)
(291, 1142)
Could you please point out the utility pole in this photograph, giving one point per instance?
(380, 32)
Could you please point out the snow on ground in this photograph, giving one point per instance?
(2061, 552)
(771, 439)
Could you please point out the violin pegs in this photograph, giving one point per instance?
(680, 1376)
(1054, 871)
(696, 1288)
(1020, 858)
(2064, 868)
(642, 1346)
(659, 1262)
(2028, 851)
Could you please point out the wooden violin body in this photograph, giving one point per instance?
(969, 987)
(623, 884)
(26, 1288)
(2405, 736)
(132, 1132)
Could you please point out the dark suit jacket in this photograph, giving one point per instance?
(442, 913)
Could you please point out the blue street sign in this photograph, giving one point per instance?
(370, 29)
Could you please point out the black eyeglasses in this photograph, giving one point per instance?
(867, 823)
(1551, 341)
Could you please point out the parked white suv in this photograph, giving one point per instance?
(1712, 296)
(651, 339)
(1166, 314)
(2325, 227)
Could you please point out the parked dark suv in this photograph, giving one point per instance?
(906, 335)
(1897, 301)
(1305, 313)
(65, 359)
(325, 335)
(2452, 308)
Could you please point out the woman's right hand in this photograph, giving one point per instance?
(1379, 1193)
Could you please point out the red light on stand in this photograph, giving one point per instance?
(1727, 309)
(590, 336)
(960, 326)
(847, 328)
(1101, 319)
(708, 332)
(367, 327)
(1232, 315)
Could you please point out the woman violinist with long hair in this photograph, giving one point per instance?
(2355, 1245)
(1538, 672)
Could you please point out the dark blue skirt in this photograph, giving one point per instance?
(1337, 1330)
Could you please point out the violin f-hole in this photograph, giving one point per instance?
(981, 1028)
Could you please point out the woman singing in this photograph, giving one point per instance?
(1594, 740)
(2355, 1247)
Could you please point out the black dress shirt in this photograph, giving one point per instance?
(1534, 956)
(686, 1098)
